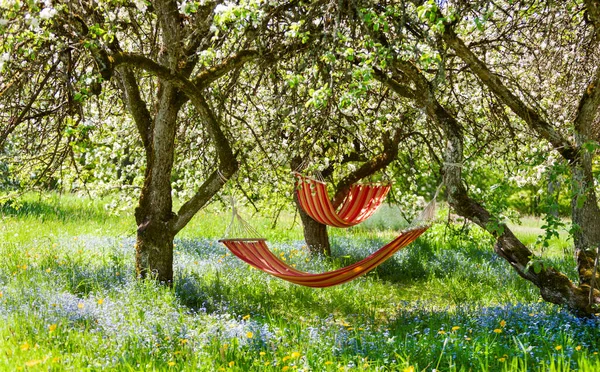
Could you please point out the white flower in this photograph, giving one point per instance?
(141, 5)
(47, 13)
(222, 8)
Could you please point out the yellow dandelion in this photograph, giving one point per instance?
(171, 363)
(231, 364)
(497, 330)
(361, 329)
(558, 347)
(328, 363)
(80, 305)
(1, 294)
(262, 353)
(100, 301)
(595, 353)
(267, 363)
(409, 369)
(468, 338)
(48, 270)
(25, 346)
(578, 347)
(246, 317)
(350, 328)
(441, 332)
(32, 363)
(502, 360)
(503, 323)
(55, 360)
(183, 341)
(296, 354)
(249, 334)
(52, 327)
(285, 368)
(455, 328)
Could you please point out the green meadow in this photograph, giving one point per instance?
(70, 300)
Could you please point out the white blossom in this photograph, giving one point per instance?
(47, 13)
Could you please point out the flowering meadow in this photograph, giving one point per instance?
(70, 300)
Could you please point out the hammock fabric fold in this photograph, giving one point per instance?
(360, 203)
(255, 252)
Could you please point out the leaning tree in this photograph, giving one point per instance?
(492, 75)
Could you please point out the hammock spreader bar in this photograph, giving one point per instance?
(256, 253)
(360, 203)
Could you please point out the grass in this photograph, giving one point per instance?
(69, 300)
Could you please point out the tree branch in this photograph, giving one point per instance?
(206, 77)
(493, 82)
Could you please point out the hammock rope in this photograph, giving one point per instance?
(361, 202)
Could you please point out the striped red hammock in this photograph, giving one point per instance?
(255, 252)
(360, 203)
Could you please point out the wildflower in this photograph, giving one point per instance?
(25, 346)
(231, 364)
(171, 363)
(183, 341)
(285, 368)
(441, 332)
(32, 363)
(497, 330)
(558, 347)
(1, 294)
(503, 323)
(296, 354)
(55, 360)
(455, 328)
(249, 334)
(578, 347)
(262, 353)
(246, 317)
(48, 270)
(100, 301)
(80, 305)
(328, 363)
(285, 358)
(409, 369)
(52, 327)
(468, 338)
(502, 360)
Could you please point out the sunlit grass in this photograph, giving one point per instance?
(69, 300)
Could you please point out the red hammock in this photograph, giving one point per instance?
(255, 252)
(360, 203)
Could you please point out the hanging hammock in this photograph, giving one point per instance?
(360, 203)
(256, 253)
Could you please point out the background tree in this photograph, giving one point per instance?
(163, 59)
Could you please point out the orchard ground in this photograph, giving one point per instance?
(70, 300)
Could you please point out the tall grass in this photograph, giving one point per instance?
(69, 300)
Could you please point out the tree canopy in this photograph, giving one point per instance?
(179, 99)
